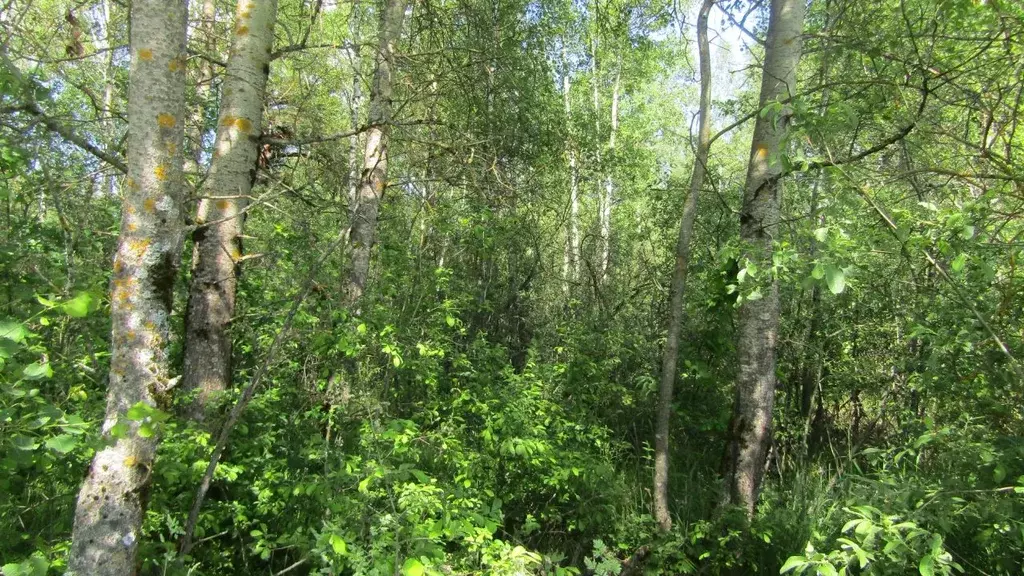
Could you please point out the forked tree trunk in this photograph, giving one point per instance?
(224, 197)
(112, 500)
(373, 179)
(670, 354)
(750, 430)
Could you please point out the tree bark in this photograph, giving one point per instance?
(373, 179)
(355, 101)
(609, 187)
(224, 199)
(111, 502)
(670, 354)
(750, 430)
(571, 262)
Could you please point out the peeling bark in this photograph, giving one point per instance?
(750, 430)
(224, 198)
(112, 500)
(670, 354)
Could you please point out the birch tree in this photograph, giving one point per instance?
(750, 429)
(373, 178)
(670, 354)
(112, 499)
(224, 198)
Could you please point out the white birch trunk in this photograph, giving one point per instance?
(224, 199)
(111, 502)
(750, 431)
(373, 179)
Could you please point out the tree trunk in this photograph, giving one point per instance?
(750, 430)
(571, 264)
(224, 197)
(373, 179)
(609, 188)
(111, 502)
(678, 289)
(204, 84)
(355, 100)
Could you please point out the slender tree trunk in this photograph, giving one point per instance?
(670, 354)
(112, 500)
(373, 179)
(355, 101)
(609, 188)
(750, 431)
(224, 197)
(570, 270)
(204, 84)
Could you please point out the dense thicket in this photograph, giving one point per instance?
(429, 287)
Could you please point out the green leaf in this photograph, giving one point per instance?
(146, 430)
(827, 570)
(139, 411)
(412, 567)
(927, 566)
(338, 545)
(8, 348)
(22, 442)
(36, 371)
(821, 234)
(62, 443)
(958, 263)
(836, 279)
(450, 321)
(792, 563)
(13, 331)
(999, 474)
(79, 306)
(45, 301)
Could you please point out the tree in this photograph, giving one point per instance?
(750, 429)
(112, 499)
(366, 205)
(677, 290)
(223, 203)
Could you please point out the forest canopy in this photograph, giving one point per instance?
(510, 287)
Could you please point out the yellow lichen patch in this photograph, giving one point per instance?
(138, 246)
(762, 152)
(223, 204)
(160, 172)
(242, 30)
(130, 461)
(227, 121)
(118, 268)
(145, 54)
(149, 205)
(166, 120)
(243, 124)
(131, 227)
(176, 64)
